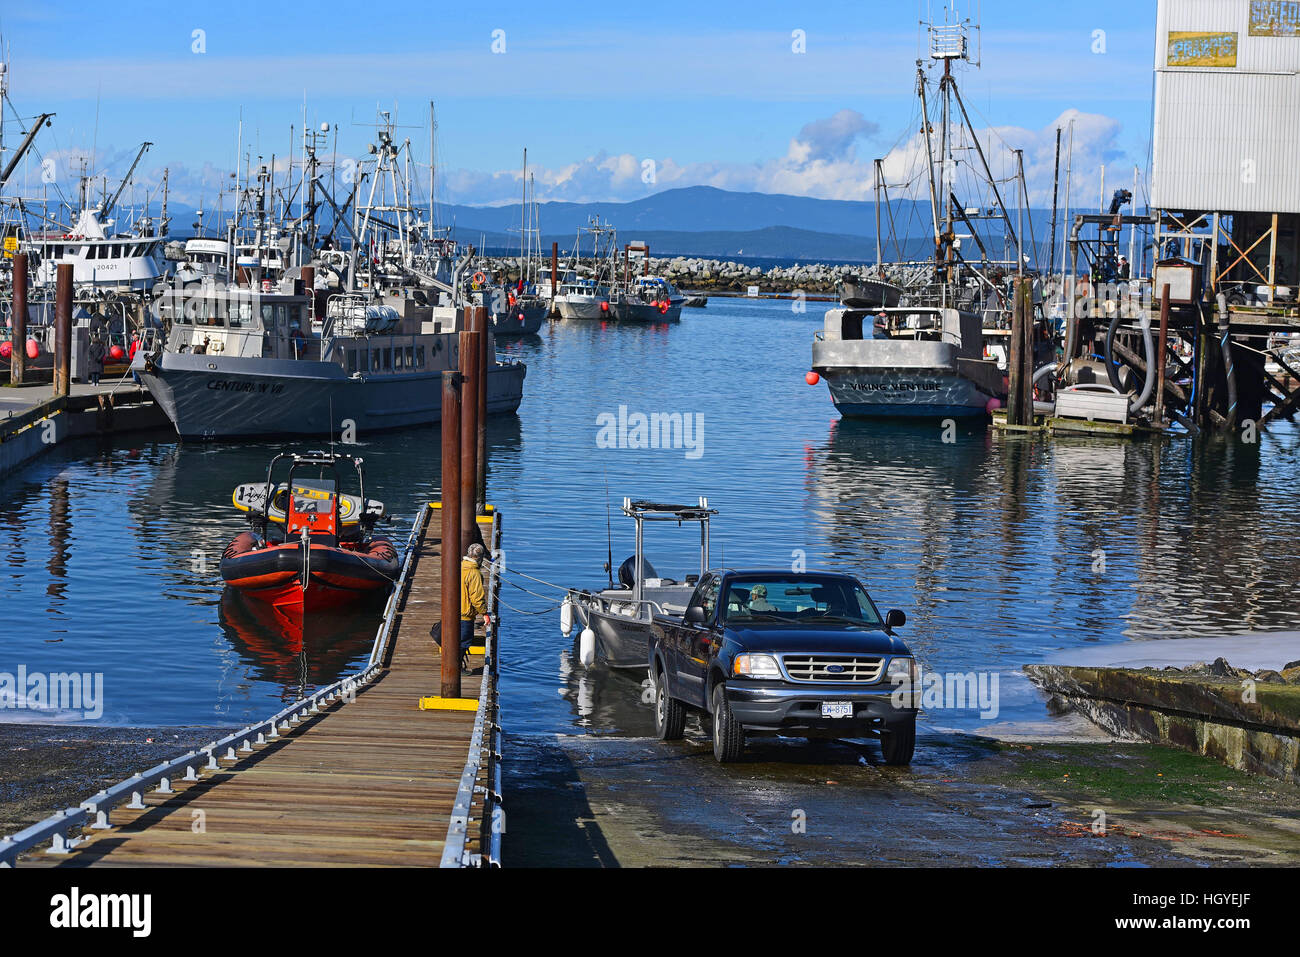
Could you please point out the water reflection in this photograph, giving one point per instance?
(296, 655)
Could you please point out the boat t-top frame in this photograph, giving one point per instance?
(324, 461)
(642, 511)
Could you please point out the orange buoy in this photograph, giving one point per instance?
(33, 349)
(6, 350)
(604, 307)
(812, 378)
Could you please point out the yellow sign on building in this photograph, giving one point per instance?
(1202, 49)
(11, 246)
(1275, 18)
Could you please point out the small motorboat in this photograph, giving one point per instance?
(620, 617)
(309, 546)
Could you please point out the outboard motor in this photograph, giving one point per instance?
(627, 573)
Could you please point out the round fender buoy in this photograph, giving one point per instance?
(566, 618)
(116, 352)
(33, 348)
(521, 317)
(812, 378)
(604, 307)
(6, 350)
(587, 647)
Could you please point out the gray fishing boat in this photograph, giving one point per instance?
(243, 363)
(619, 617)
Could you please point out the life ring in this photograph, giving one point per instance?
(480, 278)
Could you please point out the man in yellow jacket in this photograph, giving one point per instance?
(473, 600)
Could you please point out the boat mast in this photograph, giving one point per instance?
(878, 257)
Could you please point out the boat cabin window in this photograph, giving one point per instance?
(419, 357)
(852, 326)
(375, 360)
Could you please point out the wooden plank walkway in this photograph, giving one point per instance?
(366, 783)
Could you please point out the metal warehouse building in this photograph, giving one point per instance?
(1226, 142)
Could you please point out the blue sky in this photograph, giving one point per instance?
(711, 93)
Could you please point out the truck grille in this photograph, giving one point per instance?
(858, 669)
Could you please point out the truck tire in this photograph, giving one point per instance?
(670, 714)
(898, 741)
(728, 734)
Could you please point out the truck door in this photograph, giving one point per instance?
(694, 641)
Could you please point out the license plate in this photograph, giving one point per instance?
(837, 709)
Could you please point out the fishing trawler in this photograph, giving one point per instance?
(241, 362)
(930, 349)
(647, 299)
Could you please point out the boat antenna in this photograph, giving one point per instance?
(609, 535)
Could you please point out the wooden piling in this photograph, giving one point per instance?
(1020, 361)
(485, 364)
(449, 546)
(63, 330)
(1160, 357)
(470, 354)
(18, 359)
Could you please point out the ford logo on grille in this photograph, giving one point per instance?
(835, 669)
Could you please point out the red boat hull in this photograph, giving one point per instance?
(337, 574)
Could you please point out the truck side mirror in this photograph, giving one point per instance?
(895, 619)
(695, 615)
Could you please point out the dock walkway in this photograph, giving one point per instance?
(356, 775)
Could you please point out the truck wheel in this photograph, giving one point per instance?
(898, 741)
(728, 734)
(670, 714)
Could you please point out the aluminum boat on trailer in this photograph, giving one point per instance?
(619, 617)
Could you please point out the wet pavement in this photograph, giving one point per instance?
(605, 801)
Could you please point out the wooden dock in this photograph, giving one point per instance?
(368, 779)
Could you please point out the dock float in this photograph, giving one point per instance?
(355, 775)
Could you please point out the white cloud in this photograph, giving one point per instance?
(825, 160)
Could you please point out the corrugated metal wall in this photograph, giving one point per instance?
(1227, 137)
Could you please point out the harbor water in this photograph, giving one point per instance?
(1001, 550)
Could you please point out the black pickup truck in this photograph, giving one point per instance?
(796, 653)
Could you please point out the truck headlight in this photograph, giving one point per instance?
(756, 666)
(901, 671)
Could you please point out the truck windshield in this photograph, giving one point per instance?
(797, 598)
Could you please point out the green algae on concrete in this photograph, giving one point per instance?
(1247, 724)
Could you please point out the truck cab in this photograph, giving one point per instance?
(803, 654)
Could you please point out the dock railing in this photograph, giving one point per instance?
(62, 828)
(478, 796)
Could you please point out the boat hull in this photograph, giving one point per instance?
(621, 641)
(525, 320)
(904, 378)
(646, 312)
(336, 576)
(209, 396)
(906, 393)
(588, 309)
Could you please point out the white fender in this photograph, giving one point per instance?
(566, 617)
(587, 647)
